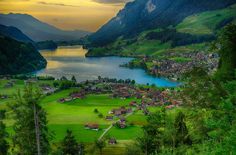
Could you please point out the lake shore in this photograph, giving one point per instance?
(72, 60)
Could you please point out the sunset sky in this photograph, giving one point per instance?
(67, 14)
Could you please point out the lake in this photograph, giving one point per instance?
(70, 60)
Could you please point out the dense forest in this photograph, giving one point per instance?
(206, 122)
(49, 44)
(18, 57)
(177, 38)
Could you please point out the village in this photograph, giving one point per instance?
(176, 65)
(148, 97)
(140, 97)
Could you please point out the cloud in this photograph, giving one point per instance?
(112, 1)
(58, 4)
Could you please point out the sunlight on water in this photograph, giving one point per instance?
(70, 51)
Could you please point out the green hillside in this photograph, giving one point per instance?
(194, 27)
(18, 57)
(207, 22)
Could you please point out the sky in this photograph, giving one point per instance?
(87, 15)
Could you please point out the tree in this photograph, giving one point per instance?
(63, 78)
(3, 135)
(100, 144)
(151, 141)
(66, 84)
(182, 136)
(95, 110)
(226, 45)
(70, 145)
(73, 79)
(31, 132)
(133, 82)
(100, 115)
(202, 90)
(56, 84)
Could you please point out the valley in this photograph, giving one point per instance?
(156, 78)
(91, 108)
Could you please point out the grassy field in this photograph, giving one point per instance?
(206, 22)
(75, 114)
(145, 47)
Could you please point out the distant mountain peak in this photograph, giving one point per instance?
(14, 33)
(38, 30)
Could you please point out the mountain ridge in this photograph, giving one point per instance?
(38, 30)
(15, 33)
(141, 15)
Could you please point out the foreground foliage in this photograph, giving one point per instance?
(30, 127)
(206, 122)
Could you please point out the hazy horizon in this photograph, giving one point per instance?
(87, 15)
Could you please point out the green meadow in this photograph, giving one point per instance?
(75, 114)
(206, 22)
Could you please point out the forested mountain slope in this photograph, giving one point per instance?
(141, 15)
(18, 57)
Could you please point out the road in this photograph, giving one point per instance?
(107, 129)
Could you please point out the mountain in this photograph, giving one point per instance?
(18, 57)
(37, 30)
(141, 15)
(49, 44)
(15, 33)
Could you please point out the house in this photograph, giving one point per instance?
(175, 102)
(123, 110)
(133, 104)
(122, 119)
(3, 96)
(77, 95)
(170, 106)
(118, 112)
(68, 99)
(92, 127)
(8, 85)
(121, 125)
(109, 118)
(31, 80)
(62, 100)
(129, 110)
(112, 141)
(47, 89)
(138, 96)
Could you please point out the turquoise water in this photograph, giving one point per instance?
(68, 61)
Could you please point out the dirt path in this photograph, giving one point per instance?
(107, 129)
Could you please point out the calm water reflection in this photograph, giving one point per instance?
(68, 61)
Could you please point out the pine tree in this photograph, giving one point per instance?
(3, 135)
(226, 44)
(182, 136)
(63, 78)
(70, 145)
(73, 79)
(152, 139)
(31, 132)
